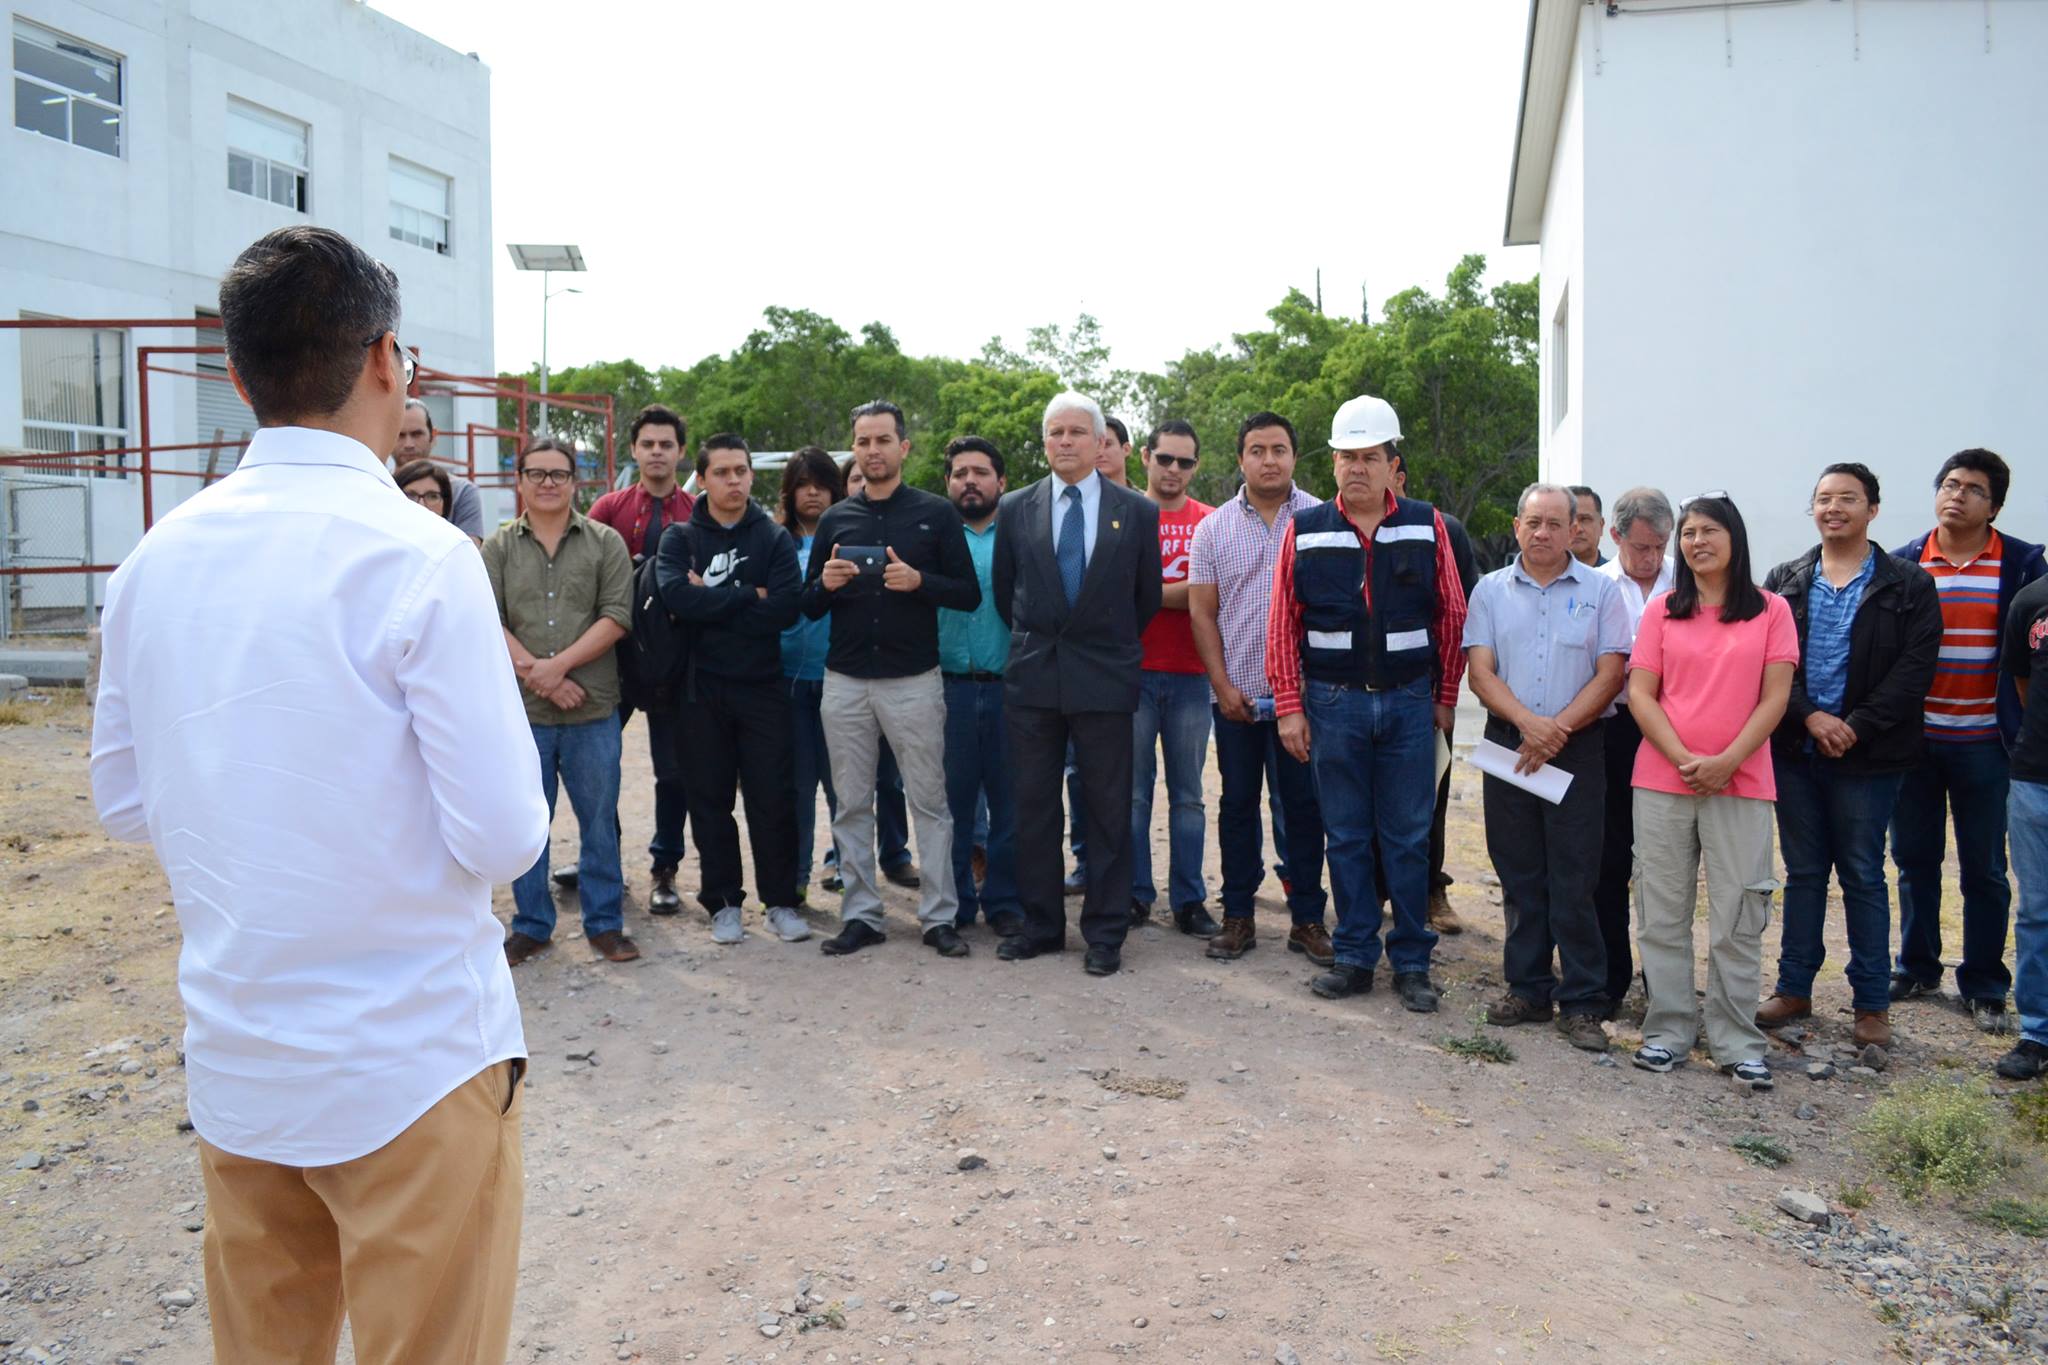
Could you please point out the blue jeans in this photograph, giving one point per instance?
(2029, 812)
(1173, 712)
(1247, 755)
(585, 760)
(978, 772)
(813, 768)
(1374, 755)
(1970, 779)
(1835, 822)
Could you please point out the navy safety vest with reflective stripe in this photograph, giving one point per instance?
(1393, 642)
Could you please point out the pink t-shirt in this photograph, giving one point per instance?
(1712, 676)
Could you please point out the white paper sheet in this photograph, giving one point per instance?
(1443, 756)
(1547, 782)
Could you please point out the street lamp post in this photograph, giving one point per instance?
(547, 260)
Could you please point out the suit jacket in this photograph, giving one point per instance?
(1086, 658)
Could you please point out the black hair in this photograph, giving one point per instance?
(880, 407)
(1266, 419)
(724, 440)
(422, 406)
(961, 445)
(657, 415)
(1173, 426)
(415, 470)
(1116, 424)
(1980, 461)
(300, 307)
(1579, 490)
(553, 443)
(1743, 600)
(1862, 473)
(810, 465)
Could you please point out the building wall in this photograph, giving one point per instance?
(1563, 293)
(1813, 234)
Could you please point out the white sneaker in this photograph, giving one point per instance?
(787, 925)
(725, 926)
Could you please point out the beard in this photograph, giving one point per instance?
(974, 505)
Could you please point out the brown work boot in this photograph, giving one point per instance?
(519, 947)
(613, 946)
(1872, 1026)
(1239, 937)
(1442, 918)
(1313, 941)
(1511, 1009)
(1583, 1031)
(1780, 1010)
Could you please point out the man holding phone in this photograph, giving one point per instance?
(898, 554)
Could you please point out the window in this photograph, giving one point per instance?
(267, 155)
(73, 395)
(1561, 359)
(66, 90)
(419, 206)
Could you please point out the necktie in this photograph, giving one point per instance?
(1070, 552)
(650, 540)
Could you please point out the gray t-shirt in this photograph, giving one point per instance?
(468, 512)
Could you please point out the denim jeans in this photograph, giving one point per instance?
(1971, 780)
(1247, 755)
(2029, 812)
(585, 760)
(1835, 822)
(1173, 713)
(1374, 755)
(978, 774)
(813, 768)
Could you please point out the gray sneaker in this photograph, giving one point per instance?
(725, 926)
(787, 925)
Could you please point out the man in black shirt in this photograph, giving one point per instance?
(897, 554)
(2026, 653)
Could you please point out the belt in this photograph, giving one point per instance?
(973, 677)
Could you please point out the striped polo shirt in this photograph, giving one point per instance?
(1962, 706)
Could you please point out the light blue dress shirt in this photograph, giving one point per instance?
(1547, 641)
(1091, 506)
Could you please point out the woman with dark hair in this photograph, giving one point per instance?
(427, 484)
(811, 482)
(1708, 682)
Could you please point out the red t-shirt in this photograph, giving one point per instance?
(1169, 641)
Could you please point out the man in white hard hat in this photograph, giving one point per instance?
(1362, 650)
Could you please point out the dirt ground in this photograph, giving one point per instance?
(752, 1153)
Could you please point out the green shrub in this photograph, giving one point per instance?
(1763, 1149)
(1937, 1134)
(2030, 1111)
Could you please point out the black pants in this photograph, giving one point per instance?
(1102, 757)
(739, 733)
(665, 750)
(1548, 859)
(1618, 851)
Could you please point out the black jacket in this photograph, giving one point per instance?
(1086, 658)
(736, 632)
(1893, 645)
(877, 633)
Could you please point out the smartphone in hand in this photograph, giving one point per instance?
(871, 559)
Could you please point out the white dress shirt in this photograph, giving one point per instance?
(1091, 506)
(306, 705)
(1632, 595)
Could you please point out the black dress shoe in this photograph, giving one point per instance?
(944, 940)
(564, 877)
(1342, 980)
(857, 934)
(1103, 961)
(1141, 913)
(1417, 994)
(903, 874)
(1022, 947)
(1194, 920)
(1006, 924)
(663, 900)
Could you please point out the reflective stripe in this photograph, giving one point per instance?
(1327, 540)
(1386, 533)
(1329, 639)
(1407, 639)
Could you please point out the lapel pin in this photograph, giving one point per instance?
(1116, 526)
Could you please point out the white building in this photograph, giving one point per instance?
(1781, 233)
(153, 140)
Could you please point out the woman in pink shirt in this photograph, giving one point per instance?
(1708, 682)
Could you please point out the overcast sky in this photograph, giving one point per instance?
(960, 171)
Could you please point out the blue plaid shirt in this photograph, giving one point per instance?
(1830, 611)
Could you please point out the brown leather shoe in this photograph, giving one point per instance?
(519, 947)
(1442, 918)
(977, 863)
(1239, 937)
(1783, 1009)
(1511, 1009)
(1872, 1026)
(614, 946)
(1312, 941)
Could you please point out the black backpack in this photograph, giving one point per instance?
(654, 661)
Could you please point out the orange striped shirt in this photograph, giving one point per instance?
(1962, 706)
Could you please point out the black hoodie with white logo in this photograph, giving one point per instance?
(747, 595)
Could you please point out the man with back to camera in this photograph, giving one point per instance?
(1077, 580)
(416, 442)
(882, 671)
(333, 766)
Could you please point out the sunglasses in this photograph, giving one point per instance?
(1720, 493)
(1178, 461)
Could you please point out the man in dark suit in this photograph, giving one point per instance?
(1076, 580)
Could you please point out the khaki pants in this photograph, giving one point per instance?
(417, 1242)
(1733, 835)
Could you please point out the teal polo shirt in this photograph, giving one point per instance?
(976, 641)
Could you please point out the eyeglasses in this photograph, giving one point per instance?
(406, 363)
(1178, 461)
(1719, 493)
(1951, 488)
(431, 497)
(556, 477)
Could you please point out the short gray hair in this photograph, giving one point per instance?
(1643, 504)
(1069, 401)
(1538, 490)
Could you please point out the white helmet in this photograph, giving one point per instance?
(1363, 423)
